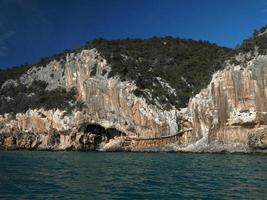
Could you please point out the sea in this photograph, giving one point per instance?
(125, 175)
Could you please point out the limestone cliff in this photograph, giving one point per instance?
(108, 104)
(231, 112)
(74, 103)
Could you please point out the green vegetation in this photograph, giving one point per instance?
(258, 39)
(16, 71)
(12, 73)
(18, 98)
(186, 65)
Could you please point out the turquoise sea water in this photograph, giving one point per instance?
(89, 175)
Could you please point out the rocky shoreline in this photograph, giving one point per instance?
(230, 114)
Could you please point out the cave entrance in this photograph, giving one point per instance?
(92, 128)
(97, 129)
(113, 132)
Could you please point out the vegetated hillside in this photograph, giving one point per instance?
(16, 71)
(12, 73)
(16, 97)
(156, 65)
(186, 65)
(257, 43)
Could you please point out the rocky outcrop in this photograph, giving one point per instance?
(232, 110)
(108, 102)
(230, 114)
(111, 102)
(51, 130)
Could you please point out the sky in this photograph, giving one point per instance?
(31, 29)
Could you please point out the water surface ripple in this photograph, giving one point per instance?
(90, 175)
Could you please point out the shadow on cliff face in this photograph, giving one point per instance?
(94, 134)
(101, 131)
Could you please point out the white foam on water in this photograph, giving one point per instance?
(203, 145)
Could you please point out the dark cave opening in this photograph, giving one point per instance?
(97, 129)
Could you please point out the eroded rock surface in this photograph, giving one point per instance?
(230, 114)
(108, 102)
(232, 110)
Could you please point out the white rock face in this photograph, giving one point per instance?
(109, 102)
(10, 83)
(53, 74)
(231, 110)
(230, 114)
(242, 117)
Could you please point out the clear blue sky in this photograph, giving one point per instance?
(31, 29)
